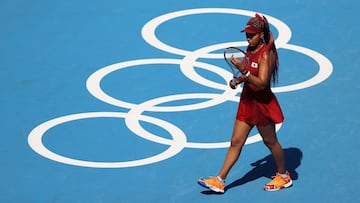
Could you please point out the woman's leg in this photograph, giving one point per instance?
(240, 133)
(282, 179)
(269, 137)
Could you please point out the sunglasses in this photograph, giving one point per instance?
(250, 36)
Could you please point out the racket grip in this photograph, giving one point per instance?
(234, 80)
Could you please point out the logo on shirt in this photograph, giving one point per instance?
(254, 65)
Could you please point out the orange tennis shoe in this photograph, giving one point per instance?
(278, 182)
(213, 183)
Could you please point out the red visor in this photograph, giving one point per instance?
(251, 29)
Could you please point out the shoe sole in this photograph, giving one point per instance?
(215, 189)
(287, 185)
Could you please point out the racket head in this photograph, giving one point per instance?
(238, 54)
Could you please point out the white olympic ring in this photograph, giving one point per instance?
(35, 141)
(148, 31)
(187, 66)
(93, 85)
(325, 68)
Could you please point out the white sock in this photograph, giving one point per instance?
(220, 179)
(284, 175)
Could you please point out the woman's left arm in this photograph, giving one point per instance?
(266, 65)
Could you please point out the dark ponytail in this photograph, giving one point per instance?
(267, 39)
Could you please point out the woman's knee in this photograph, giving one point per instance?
(240, 133)
(237, 142)
(270, 141)
(268, 134)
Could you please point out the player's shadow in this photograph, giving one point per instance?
(266, 167)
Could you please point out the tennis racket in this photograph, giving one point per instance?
(241, 56)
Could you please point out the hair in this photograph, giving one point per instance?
(262, 23)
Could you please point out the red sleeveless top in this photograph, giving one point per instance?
(258, 107)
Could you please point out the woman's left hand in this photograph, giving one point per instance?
(237, 63)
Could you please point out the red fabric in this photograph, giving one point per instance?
(258, 107)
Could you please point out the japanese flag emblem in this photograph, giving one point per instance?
(254, 65)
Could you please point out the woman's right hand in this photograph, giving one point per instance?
(239, 80)
(232, 85)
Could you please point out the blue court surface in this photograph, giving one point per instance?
(127, 101)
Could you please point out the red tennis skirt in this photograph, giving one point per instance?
(259, 107)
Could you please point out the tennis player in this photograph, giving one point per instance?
(258, 106)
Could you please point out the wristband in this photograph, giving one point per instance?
(247, 74)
